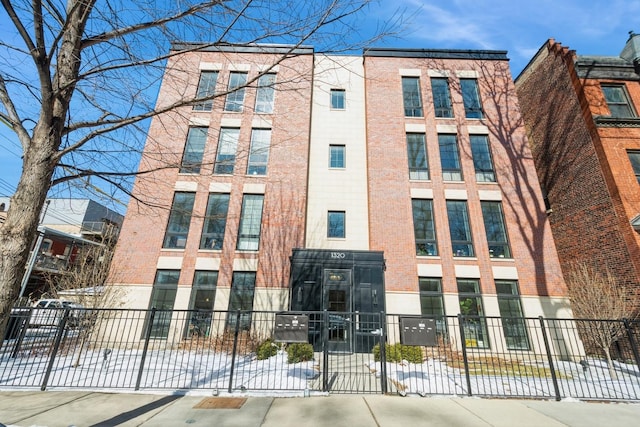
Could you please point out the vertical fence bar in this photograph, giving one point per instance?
(236, 332)
(56, 346)
(383, 352)
(632, 342)
(465, 360)
(547, 347)
(325, 351)
(147, 338)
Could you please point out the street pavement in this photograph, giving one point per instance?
(99, 409)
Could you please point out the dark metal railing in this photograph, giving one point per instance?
(234, 351)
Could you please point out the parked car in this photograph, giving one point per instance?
(49, 312)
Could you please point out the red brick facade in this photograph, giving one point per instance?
(391, 223)
(284, 185)
(582, 159)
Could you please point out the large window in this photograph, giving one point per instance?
(235, 97)
(203, 295)
(471, 98)
(227, 145)
(459, 229)
(417, 155)
(215, 221)
(163, 297)
(193, 151)
(441, 97)
(179, 221)
(482, 158)
(513, 323)
(634, 158)
(337, 156)
(265, 93)
(206, 89)
(335, 224)
(449, 158)
(495, 229)
(432, 302)
(424, 227)
(411, 97)
(337, 99)
(618, 101)
(250, 222)
(241, 299)
(474, 324)
(259, 152)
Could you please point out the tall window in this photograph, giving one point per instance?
(227, 145)
(337, 156)
(206, 88)
(417, 155)
(441, 97)
(432, 302)
(203, 295)
(163, 297)
(179, 221)
(424, 227)
(471, 98)
(241, 298)
(265, 93)
(335, 224)
(449, 158)
(337, 99)
(482, 158)
(411, 97)
(513, 323)
(474, 324)
(259, 152)
(250, 222)
(495, 229)
(194, 149)
(634, 158)
(235, 97)
(618, 101)
(459, 229)
(215, 221)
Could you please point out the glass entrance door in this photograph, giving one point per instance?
(337, 301)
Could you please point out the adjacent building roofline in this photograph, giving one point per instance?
(491, 55)
(605, 67)
(243, 48)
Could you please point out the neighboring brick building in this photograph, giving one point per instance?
(397, 181)
(584, 130)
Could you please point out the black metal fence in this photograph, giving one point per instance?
(227, 352)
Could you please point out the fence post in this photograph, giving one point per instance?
(147, 338)
(383, 352)
(632, 341)
(465, 360)
(56, 345)
(550, 357)
(325, 351)
(24, 325)
(233, 352)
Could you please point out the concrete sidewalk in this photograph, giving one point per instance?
(92, 409)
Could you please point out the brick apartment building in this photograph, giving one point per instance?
(581, 113)
(397, 181)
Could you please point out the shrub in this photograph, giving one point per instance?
(299, 352)
(267, 349)
(399, 352)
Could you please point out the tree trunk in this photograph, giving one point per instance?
(612, 370)
(19, 229)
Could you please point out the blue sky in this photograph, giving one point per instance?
(591, 27)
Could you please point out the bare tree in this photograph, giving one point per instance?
(599, 298)
(77, 86)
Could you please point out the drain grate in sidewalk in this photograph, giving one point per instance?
(221, 403)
